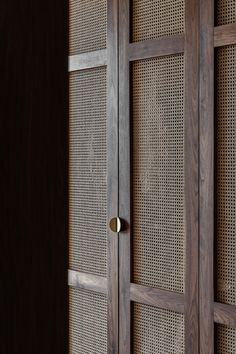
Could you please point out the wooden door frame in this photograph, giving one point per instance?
(211, 312)
(106, 285)
(183, 303)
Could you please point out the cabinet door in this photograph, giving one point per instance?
(217, 168)
(158, 176)
(93, 176)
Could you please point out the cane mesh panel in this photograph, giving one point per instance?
(87, 177)
(226, 174)
(87, 25)
(88, 322)
(157, 330)
(158, 172)
(225, 340)
(225, 12)
(152, 19)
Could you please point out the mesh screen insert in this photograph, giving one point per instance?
(88, 322)
(225, 12)
(87, 177)
(87, 25)
(158, 172)
(226, 177)
(157, 330)
(225, 340)
(152, 19)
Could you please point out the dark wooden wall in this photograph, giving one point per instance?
(33, 193)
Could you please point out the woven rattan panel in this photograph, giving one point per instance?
(157, 330)
(158, 172)
(226, 174)
(225, 12)
(88, 322)
(225, 340)
(155, 18)
(87, 25)
(87, 177)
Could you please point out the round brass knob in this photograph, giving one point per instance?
(115, 224)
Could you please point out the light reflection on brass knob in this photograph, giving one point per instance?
(115, 224)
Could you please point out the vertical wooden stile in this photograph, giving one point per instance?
(124, 179)
(206, 178)
(191, 151)
(112, 193)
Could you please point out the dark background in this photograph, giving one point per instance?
(33, 199)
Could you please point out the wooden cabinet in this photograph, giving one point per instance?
(152, 141)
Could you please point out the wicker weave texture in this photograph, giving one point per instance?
(225, 12)
(152, 19)
(88, 171)
(157, 331)
(88, 322)
(225, 340)
(87, 25)
(226, 174)
(158, 172)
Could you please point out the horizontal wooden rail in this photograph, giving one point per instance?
(225, 35)
(156, 47)
(157, 297)
(87, 281)
(88, 60)
(225, 314)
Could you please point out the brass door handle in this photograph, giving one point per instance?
(115, 224)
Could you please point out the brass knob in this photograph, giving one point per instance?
(115, 224)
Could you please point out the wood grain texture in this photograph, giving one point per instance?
(124, 179)
(225, 35)
(225, 314)
(191, 150)
(157, 297)
(112, 174)
(206, 200)
(156, 47)
(88, 60)
(87, 281)
(33, 242)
